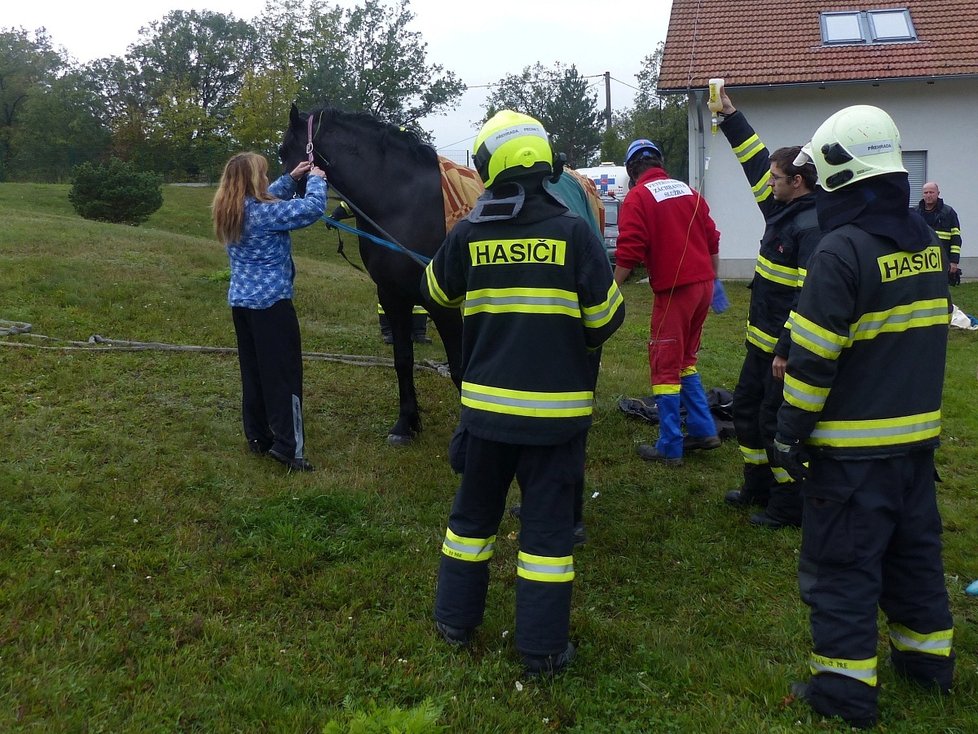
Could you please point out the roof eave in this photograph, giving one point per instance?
(929, 79)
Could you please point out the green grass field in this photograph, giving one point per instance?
(155, 577)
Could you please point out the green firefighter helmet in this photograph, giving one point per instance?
(511, 144)
(854, 144)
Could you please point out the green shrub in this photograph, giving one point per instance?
(115, 192)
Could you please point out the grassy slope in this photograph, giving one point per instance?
(156, 577)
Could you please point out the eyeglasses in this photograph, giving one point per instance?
(777, 178)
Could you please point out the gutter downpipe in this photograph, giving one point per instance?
(696, 122)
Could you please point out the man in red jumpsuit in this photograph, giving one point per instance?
(666, 225)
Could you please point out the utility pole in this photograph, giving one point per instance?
(607, 100)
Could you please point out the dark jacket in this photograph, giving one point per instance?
(869, 338)
(944, 220)
(791, 233)
(537, 294)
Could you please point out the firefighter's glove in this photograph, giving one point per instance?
(790, 455)
(720, 302)
(954, 278)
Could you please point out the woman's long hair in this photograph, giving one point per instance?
(245, 174)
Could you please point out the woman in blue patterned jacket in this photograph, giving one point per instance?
(253, 218)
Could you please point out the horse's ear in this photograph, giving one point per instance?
(294, 118)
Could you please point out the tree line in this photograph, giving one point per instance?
(196, 86)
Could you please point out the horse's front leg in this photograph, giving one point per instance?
(409, 417)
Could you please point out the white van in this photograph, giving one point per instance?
(610, 179)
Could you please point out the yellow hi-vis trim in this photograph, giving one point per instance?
(753, 455)
(862, 670)
(437, 294)
(802, 395)
(761, 339)
(806, 333)
(781, 476)
(525, 403)
(929, 312)
(666, 389)
(522, 300)
(931, 643)
(878, 432)
(468, 549)
(748, 149)
(777, 273)
(600, 314)
(549, 569)
(687, 371)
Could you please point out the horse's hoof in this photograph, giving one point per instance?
(394, 439)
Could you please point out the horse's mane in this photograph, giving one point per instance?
(388, 135)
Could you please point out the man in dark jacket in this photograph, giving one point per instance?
(863, 397)
(537, 296)
(785, 194)
(943, 220)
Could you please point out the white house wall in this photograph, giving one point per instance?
(935, 117)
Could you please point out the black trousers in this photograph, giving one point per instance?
(549, 477)
(871, 536)
(270, 358)
(756, 400)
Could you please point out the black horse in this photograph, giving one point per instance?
(393, 181)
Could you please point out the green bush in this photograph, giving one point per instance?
(115, 192)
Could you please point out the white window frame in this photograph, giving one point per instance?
(869, 24)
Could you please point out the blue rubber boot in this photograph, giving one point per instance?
(670, 443)
(699, 419)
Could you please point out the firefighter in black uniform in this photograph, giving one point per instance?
(785, 194)
(536, 293)
(943, 220)
(862, 397)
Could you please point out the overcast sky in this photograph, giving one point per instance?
(480, 42)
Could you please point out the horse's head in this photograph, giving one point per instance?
(292, 151)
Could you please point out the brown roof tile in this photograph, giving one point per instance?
(765, 42)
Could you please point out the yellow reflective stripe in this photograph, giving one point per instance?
(753, 455)
(945, 234)
(804, 396)
(955, 249)
(526, 403)
(781, 476)
(878, 431)
(686, 372)
(862, 670)
(806, 333)
(467, 549)
(919, 314)
(777, 273)
(931, 643)
(522, 300)
(435, 291)
(761, 339)
(802, 274)
(748, 149)
(597, 316)
(665, 389)
(549, 569)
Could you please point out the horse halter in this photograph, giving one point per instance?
(310, 150)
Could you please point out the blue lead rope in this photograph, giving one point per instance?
(420, 259)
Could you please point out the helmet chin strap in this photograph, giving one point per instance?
(560, 160)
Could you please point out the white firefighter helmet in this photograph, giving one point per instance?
(854, 144)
